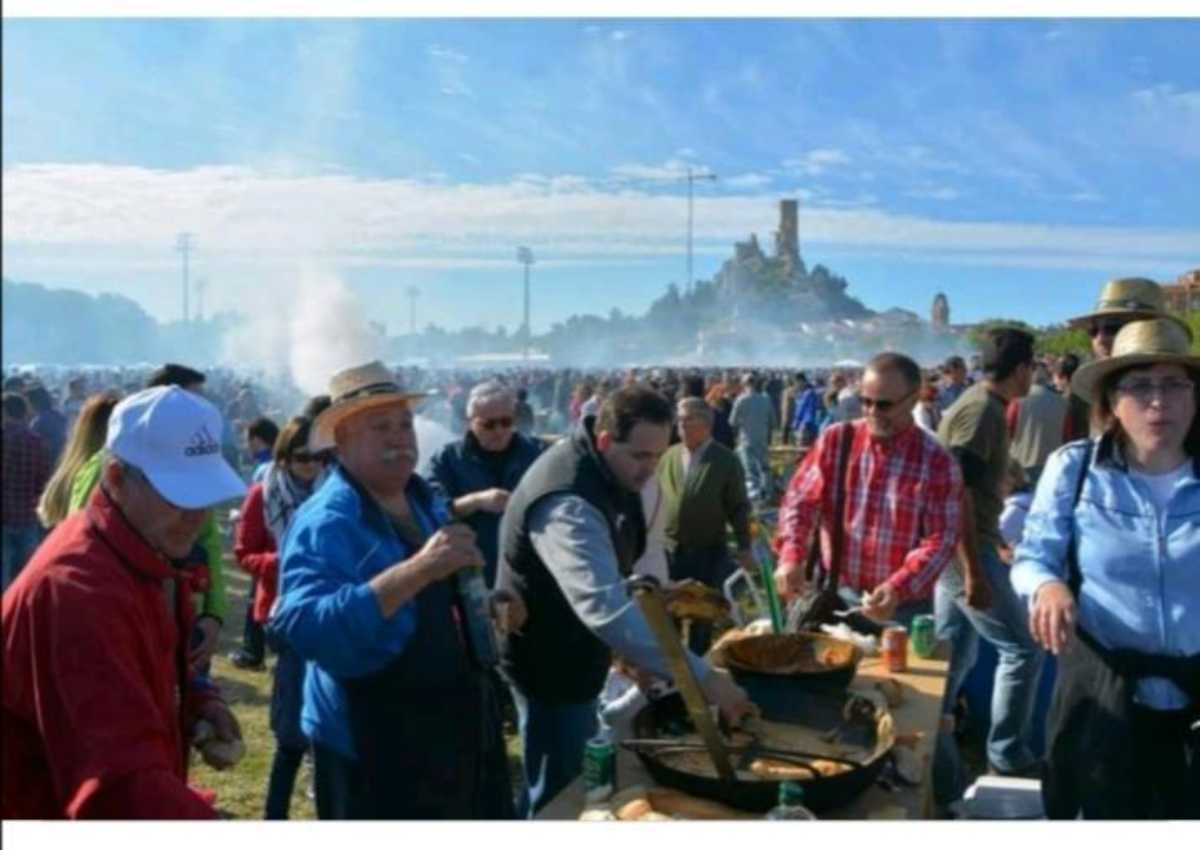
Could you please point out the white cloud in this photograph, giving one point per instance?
(672, 169)
(450, 70)
(125, 217)
(817, 162)
(747, 181)
(446, 54)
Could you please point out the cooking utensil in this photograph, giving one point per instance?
(649, 598)
(821, 793)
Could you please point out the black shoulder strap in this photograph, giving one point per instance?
(1074, 576)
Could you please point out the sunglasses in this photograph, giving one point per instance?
(883, 405)
(498, 422)
(1106, 328)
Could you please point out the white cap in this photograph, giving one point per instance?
(174, 437)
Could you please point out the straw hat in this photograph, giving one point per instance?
(1126, 298)
(1146, 342)
(352, 391)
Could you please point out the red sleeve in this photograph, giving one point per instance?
(111, 748)
(1011, 415)
(801, 507)
(253, 545)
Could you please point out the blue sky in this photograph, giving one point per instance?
(1013, 164)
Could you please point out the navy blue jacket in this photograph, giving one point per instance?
(460, 468)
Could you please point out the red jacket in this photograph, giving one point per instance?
(254, 548)
(96, 696)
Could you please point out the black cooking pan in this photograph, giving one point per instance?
(823, 711)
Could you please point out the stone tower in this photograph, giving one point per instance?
(787, 237)
(940, 316)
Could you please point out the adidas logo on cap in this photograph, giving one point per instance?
(202, 443)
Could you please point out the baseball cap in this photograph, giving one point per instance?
(173, 436)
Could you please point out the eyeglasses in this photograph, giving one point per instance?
(498, 422)
(1172, 389)
(883, 405)
(1106, 328)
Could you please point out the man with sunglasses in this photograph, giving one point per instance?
(900, 495)
(1121, 301)
(100, 704)
(478, 472)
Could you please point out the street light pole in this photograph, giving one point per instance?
(692, 177)
(183, 244)
(525, 258)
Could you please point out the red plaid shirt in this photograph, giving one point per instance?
(902, 506)
(26, 471)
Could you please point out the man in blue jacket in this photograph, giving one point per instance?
(399, 705)
(479, 472)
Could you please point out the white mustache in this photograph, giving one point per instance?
(391, 455)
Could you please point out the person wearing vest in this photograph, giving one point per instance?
(479, 472)
(399, 702)
(1110, 564)
(1121, 301)
(568, 540)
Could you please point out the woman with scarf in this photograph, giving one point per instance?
(266, 515)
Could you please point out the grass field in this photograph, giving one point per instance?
(242, 790)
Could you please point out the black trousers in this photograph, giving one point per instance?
(253, 640)
(1165, 773)
(282, 782)
(340, 788)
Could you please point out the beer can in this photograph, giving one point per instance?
(924, 635)
(895, 649)
(599, 763)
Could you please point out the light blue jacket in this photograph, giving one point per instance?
(338, 541)
(1141, 571)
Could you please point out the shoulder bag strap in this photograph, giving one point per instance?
(1074, 576)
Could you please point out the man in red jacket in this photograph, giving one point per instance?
(99, 703)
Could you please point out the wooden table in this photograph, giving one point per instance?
(923, 686)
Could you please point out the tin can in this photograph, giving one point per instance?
(895, 649)
(924, 635)
(599, 763)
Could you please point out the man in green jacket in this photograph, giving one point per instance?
(704, 494)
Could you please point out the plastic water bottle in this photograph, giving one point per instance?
(791, 804)
(473, 592)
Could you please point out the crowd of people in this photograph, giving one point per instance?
(1043, 504)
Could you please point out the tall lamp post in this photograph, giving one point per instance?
(692, 177)
(183, 244)
(525, 258)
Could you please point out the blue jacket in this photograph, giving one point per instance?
(1141, 572)
(460, 468)
(339, 541)
(808, 412)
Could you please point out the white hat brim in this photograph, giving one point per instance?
(196, 488)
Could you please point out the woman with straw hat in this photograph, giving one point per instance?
(1111, 565)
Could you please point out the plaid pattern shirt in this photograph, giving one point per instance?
(902, 509)
(26, 471)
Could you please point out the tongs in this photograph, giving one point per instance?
(650, 600)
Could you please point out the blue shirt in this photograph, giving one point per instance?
(808, 411)
(338, 541)
(1140, 567)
